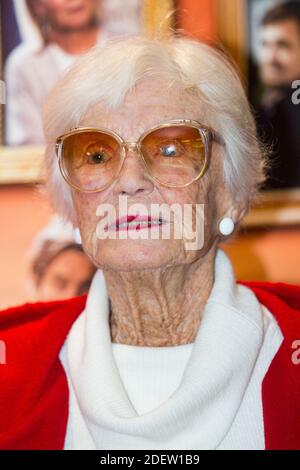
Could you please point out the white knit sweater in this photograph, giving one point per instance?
(151, 376)
(205, 395)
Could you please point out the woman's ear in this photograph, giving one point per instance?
(237, 213)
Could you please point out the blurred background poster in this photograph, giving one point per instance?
(274, 69)
(40, 40)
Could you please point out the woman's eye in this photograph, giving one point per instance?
(169, 150)
(96, 154)
(96, 158)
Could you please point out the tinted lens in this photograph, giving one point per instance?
(174, 155)
(90, 160)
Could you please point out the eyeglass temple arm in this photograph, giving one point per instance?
(217, 138)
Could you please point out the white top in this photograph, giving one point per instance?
(211, 401)
(150, 375)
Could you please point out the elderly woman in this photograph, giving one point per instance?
(168, 350)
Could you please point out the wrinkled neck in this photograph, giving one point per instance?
(161, 307)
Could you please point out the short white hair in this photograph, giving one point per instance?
(107, 73)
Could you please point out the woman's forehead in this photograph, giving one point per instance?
(143, 107)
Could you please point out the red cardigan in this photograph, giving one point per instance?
(34, 390)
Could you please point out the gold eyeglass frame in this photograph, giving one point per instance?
(208, 135)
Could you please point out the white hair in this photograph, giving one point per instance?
(106, 73)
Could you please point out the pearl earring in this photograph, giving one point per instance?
(226, 226)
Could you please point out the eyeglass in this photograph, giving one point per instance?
(175, 154)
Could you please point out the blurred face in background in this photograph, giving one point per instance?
(68, 15)
(280, 53)
(68, 275)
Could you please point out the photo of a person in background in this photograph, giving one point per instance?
(278, 117)
(61, 270)
(67, 28)
(58, 267)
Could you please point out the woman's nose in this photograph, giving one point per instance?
(133, 178)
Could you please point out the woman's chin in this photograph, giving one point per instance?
(131, 255)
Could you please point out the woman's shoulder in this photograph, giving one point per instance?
(27, 59)
(288, 293)
(283, 301)
(31, 337)
(20, 56)
(40, 317)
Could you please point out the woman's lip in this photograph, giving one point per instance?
(140, 222)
